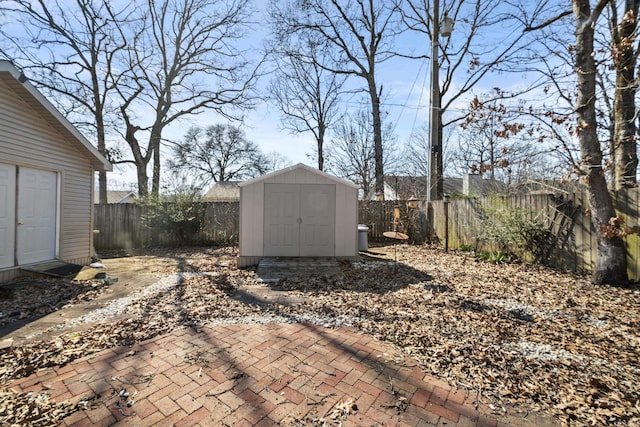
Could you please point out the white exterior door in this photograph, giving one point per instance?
(36, 219)
(299, 220)
(7, 215)
(281, 213)
(318, 214)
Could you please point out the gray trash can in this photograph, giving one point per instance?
(363, 241)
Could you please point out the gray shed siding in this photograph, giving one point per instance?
(27, 139)
(252, 212)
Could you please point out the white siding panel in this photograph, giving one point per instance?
(7, 215)
(346, 221)
(251, 220)
(27, 140)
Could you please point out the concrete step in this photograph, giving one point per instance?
(274, 269)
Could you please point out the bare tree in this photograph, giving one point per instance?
(417, 148)
(70, 49)
(500, 139)
(611, 262)
(488, 37)
(218, 153)
(276, 161)
(175, 47)
(590, 106)
(490, 127)
(306, 94)
(358, 36)
(352, 150)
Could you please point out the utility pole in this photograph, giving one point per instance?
(434, 104)
(434, 156)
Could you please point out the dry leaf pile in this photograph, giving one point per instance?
(19, 301)
(515, 335)
(31, 409)
(333, 418)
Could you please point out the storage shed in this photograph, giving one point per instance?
(297, 212)
(46, 180)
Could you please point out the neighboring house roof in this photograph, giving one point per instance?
(293, 168)
(406, 187)
(114, 196)
(475, 185)
(228, 191)
(41, 105)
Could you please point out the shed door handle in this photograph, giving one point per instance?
(20, 223)
(299, 221)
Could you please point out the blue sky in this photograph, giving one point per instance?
(405, 104)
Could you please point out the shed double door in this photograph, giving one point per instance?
(28, 215)
(299, 219)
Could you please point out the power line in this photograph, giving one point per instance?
(406, 102)
(415, 118)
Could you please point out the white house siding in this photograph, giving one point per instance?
(346, 206)
(251, 220)
(252, 212)
(27, 139)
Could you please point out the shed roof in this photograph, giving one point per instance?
(40, 104)
(293, 168)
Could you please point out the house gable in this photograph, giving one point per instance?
(300, 173)
(40, 105)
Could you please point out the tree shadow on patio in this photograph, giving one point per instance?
(370, 276)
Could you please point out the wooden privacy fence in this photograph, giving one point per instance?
(128, 225)
(123, 226)
(570, 241)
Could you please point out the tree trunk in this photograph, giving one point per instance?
(321, 131)
(625, 158)
(141, 161)
(102, 149)
(611, 262)
(143, 181)
(377, 135)
(439, 159)
(155, 183)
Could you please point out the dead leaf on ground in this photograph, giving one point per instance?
(518, 336)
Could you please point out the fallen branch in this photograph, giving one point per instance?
(322, 399)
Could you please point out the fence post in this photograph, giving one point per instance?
(445, 203)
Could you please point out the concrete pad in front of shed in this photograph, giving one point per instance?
(272, 270)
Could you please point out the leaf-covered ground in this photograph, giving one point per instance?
(28, 298)
(516, 335)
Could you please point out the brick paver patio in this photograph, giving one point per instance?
(259, 375)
